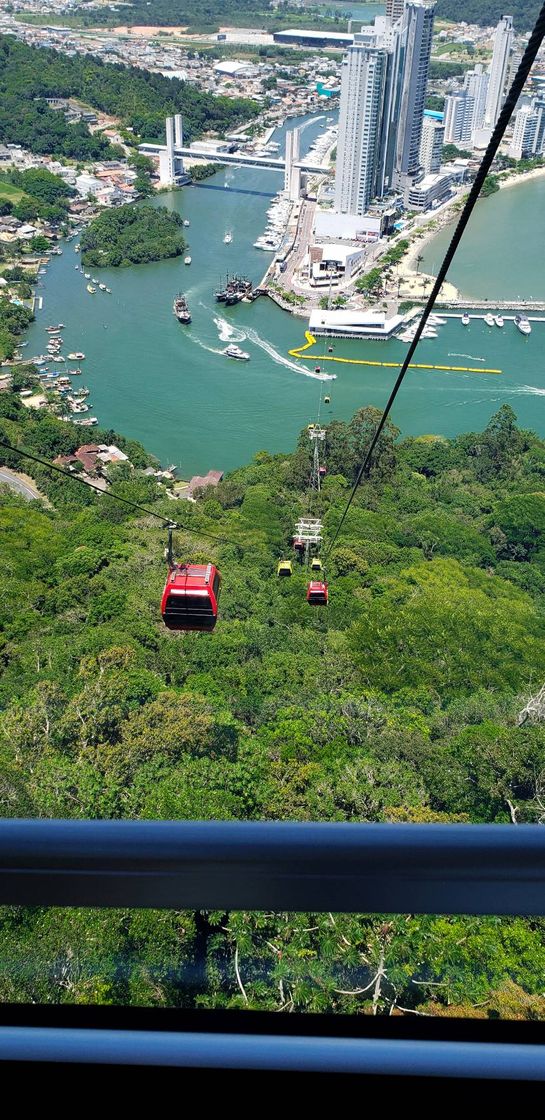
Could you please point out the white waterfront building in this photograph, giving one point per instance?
(431, 145)
(465, 110)
(529, 131)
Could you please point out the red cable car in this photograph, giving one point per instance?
(298, 544)
(190, 598)
(322, 471)
(317, 593)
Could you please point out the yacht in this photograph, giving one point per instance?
(87, 275)
(522, 324)
(102, 287)
(94, 280)
(489, 320)
(228, 238)
(465, 319)
(186, 222)
(187, 260)
(108, 290)
(233, 351)
(76, 356)
(91, 288)
(498, 319)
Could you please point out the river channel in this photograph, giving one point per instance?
(172, 388)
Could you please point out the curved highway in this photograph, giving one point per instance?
(9, 478)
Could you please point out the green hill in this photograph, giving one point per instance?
(398, 702)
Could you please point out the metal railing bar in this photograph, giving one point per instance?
(358, 868)
(405, 1058)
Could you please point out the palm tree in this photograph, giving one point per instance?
(419, 260)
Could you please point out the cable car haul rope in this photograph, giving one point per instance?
(190, 596)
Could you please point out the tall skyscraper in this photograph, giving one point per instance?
(360, 122)
(416, 31)
(464, 111)
(476, 84)
(497, 80)
(383, 92)
(394, 8)
(431, 145)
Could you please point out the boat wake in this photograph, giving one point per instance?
(282, 361)
(228, 333)
(470, 356)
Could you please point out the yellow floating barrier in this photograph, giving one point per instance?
(299, 352)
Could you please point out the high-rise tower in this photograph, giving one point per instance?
(383, 93)
(394, 8)
(503, 46)
(416, 30)
(360, 122)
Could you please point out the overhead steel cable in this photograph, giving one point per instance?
(169, 522)
(528, 59)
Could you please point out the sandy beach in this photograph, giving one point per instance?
(513, 180)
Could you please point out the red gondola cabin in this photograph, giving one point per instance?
(190, 598)
(298, 544)
(317, 593)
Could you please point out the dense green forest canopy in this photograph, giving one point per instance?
(398, 702)
(209, 15)
(40, 195)
(488, 12)
(132, 235)
(139, 98)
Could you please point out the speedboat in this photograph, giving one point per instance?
(87, 275)
(187, 260)
(233, 351)
(102, 287)
(91, 288)
(76, 356)
(228, 238)
(465, 319)
(108, 290)
(186, 222)
(498, 319)
(521, 322)
(489, 320)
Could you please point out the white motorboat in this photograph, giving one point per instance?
(228, 238)
(498, 319)
(489, 320)
(187, 260)
(465, 319)
(522, 324)
(233, 351)
(186, 222)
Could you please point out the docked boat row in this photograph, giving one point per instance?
(236, 289)
(521, 321)
(278, 216)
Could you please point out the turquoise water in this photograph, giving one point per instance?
(171, 387)
(502, 253)
(357, 11)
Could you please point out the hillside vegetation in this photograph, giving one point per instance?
(488, 12)
(398, 702)
(139, 98)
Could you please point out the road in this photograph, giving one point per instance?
(15, 482)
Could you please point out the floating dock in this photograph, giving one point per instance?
(299, 352)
